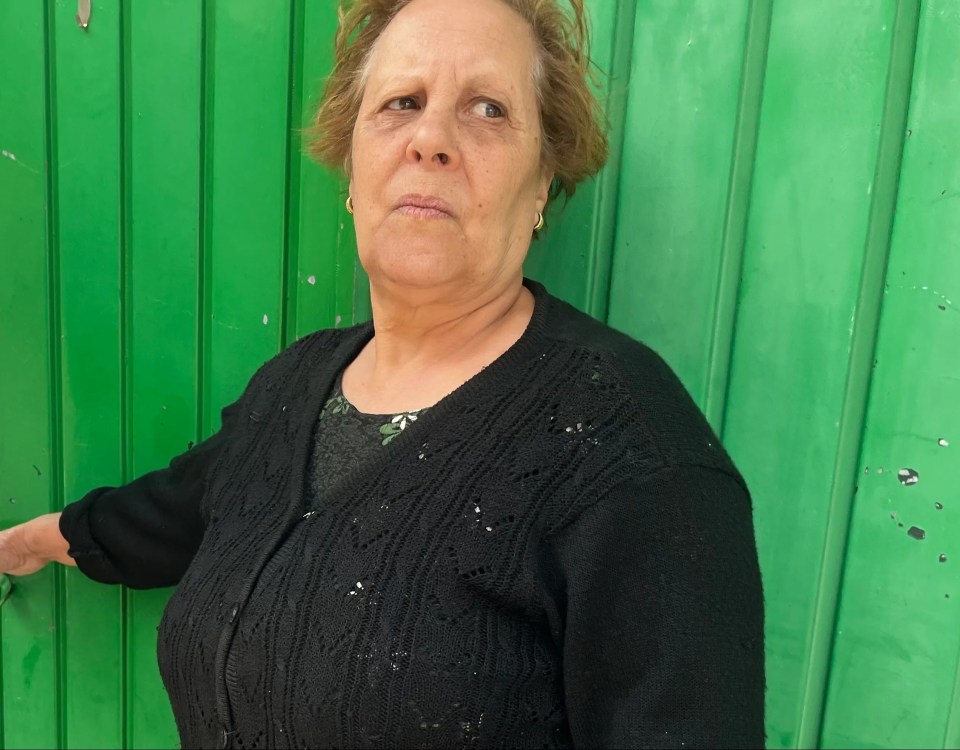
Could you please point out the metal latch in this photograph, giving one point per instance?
(83, 13)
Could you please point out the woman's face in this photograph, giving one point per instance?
(446, 172)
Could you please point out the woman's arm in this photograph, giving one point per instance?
(145, 533)
(663, 637)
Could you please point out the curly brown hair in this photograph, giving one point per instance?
(573, 123)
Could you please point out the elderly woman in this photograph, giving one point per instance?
(483, 520)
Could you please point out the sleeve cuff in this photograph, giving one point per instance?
(91, 560)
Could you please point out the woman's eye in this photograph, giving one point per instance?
(488, 109)
(404, 102)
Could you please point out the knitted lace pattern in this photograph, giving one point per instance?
(558, 554)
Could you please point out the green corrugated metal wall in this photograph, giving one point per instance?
(780, 219)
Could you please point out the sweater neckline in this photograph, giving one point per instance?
(497, 372)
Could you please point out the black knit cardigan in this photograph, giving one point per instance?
(557, 554)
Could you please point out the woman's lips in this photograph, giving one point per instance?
(424, 207)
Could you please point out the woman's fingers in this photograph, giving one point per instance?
(13, 556)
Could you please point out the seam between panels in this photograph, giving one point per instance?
(604, 229)
(126, 334)
(204, 271)
(289, 284)
(739, 188)
(55, 372)
(863, 342)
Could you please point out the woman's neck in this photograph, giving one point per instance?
(424, 349)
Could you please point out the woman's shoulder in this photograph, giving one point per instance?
(637, 384)
(626, 409)
(326, 345)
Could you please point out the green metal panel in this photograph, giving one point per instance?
(247, 193)
(29, 388)
(808, 223)
(823, 104)
(900, 606)
(164, 183)
(681, 127)
(87, 170)
(161, 234)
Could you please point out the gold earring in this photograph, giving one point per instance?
(540, 222)
(349, 204)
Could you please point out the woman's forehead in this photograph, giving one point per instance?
(479, 38)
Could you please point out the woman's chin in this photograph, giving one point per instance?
(420, 271)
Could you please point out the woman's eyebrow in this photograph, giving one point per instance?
(397, 81)
(487, 79)
(476, 82)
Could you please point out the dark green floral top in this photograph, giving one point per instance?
(347, 438)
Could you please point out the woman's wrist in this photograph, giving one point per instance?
(42, 539)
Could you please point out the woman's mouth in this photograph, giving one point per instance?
(424, 207)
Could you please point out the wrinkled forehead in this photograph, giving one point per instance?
(477, 41)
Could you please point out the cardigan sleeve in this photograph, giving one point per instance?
(663, 625)
(145, 533)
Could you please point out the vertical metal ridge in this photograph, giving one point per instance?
(951, 733)
(603, 231)
(124, 212)
(862, 348)
(126, 332)
(204, 275)
(739, 187)
(55, 363)
(125, 682)
(289, 289)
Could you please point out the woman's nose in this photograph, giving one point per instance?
(434, 141)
